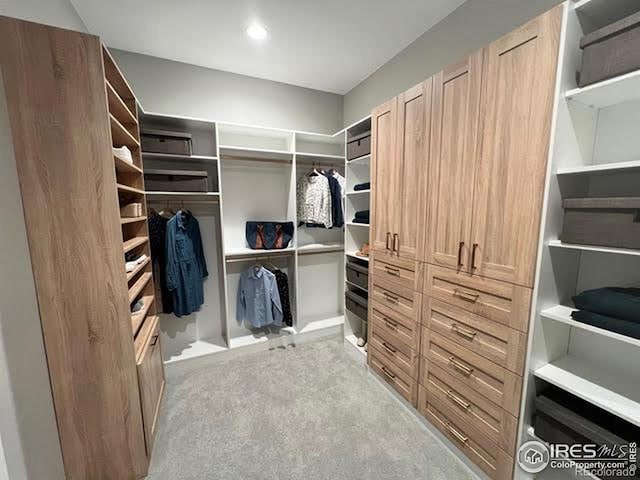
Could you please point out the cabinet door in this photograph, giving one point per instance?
(414, 109)
(453, 158)
(516, 106)
(384, 120)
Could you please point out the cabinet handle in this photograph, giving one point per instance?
(457, 434)
(459, 366)
(390, 298)
(460, 245)
(473, 256)
(391, 323)
(464, 332)
(154, 341)
(396, 243)
(388, 240)
(389, 347)
(458, 400)
(388, 373)
(392, 271)
(471, 297)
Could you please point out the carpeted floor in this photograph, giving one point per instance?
(307, 412)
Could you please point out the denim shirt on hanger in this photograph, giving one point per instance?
(258, 298)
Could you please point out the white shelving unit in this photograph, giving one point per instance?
(594, 153)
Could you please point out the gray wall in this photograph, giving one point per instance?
(470, 27)
(164, 86)
(59, 13)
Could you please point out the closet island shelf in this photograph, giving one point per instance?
(562, 314)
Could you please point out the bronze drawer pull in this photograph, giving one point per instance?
(390, 323)
(392, 271)
(388, 373)
(155, 340)
(463, 368)
(460, 245)
(457, 434)
(388, 240)
(471, 297)
(396, 243)
(464, 332)
(473, 256)
(389, 347)
(458, 400)
(390, 298)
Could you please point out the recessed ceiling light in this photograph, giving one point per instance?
(257, 31)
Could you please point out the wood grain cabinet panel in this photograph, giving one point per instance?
(384, 171)
(414, 118)
(403, 383)
(404, 329)
(401, 299)
(502, 345)
(492, 381)
(452, 163)
(516, 105)
(497, 464)
(407, 273)
(394, 350)
(501, 302)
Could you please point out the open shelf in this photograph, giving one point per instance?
(624, 88)
(248, 252)
(126, 167)
(315, 157)
(600, 168)
(126, 188)
(605, 389)
(121, 135)
(139, 285)
(600, 13)
(133, 243)
(175, 156)
(362, 159)
(138, 269)
(318, 248)
(199, 197)
(126, 220)
(353, 255)
(593, 248)
(118, 108)
(358, 192)
(354, 224)
(255, 154)
(137, 319)
(562, 314)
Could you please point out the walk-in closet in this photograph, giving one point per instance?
(319, 240)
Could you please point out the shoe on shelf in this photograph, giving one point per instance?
(361, 342)
(123, 153)
(137, 306)
(364, 250)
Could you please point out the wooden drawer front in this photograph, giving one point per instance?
(393, 375)
(397, 270)
(394, 350)
(398, 298)
(494, 422)
(402, 328)
(485, 377)
(151, 383)
(504, 346)
(499, 301)
(478, 447)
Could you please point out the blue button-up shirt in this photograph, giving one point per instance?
(258, 298)
(186, 266)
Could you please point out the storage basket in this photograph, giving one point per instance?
(164, 141)
(176, 180)
(359, 146)
(358, 275)
(356, 304)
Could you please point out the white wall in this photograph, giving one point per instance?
(470, 27)
(174, 88)
(59, 13)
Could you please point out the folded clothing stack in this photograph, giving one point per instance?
(362, 186)
(612, 308)
(123, 153)
(361, 217)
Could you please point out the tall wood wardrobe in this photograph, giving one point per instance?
(68, 104)
(459, 167)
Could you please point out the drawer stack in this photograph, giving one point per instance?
(395, 305)
(472, 357)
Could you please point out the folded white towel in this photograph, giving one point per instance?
(123, 153)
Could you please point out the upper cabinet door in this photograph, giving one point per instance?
(516, 106)
(453, 158)
(414, 110)
(384, 120)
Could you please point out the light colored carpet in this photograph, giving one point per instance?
(307, 412)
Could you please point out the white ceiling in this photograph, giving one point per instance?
(329, 45)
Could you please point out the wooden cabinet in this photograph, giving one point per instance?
(517, 102)
(384, 169)
(454, 133)
(400, 151)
